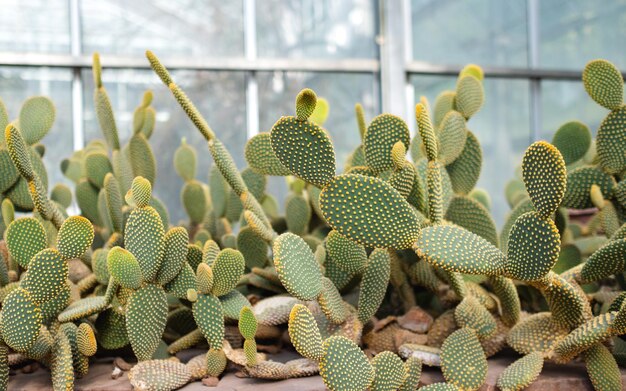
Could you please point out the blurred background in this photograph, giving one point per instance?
(243, 62)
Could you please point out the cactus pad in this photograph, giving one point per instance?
(209, 316)
(388, 372)
(585, 336)
(473, 216)
(304, 333)
(604, 262)
(604, 83)
(465, 170)
(543, 169)
(369, 211)
(227, 270)
(347, 254)
(305, 149)
(21, 320)
(124, 268)
(146, 315)
(374, 284)
(579, 182)
(75, 237)
(144, 237)
(531, 262)
(471, 314)
(465, 252)
(469, 95)
(463, 362)
(47, 272)
(36, 118)
(452, 137)
(382, 133)
(260, 156)
(331, 302)
(573, 140)
(344, 366)
(25, 237)
(247, 323)
(521, 373)
(159, 375)
(176, 251)
(296, 267)
(86, 340)
(610, 141)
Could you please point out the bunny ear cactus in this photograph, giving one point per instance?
(382, 134)
(104, 110)
(344, 366)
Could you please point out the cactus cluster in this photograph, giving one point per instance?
(400, 231)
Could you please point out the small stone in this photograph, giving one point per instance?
(121, 364)
(211, 381)
(30, 368)
(116, 373)
(416, 320)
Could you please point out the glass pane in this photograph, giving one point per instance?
(575, 31)
(40, 26)
(502, 127)
(564, 101)
(316, 29)
(18, 84)
(224, 111)
(489, 32)
(277, 94)
(209, 28)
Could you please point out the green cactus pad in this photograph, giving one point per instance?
(304, 333)
(175, 253)
(25, 237)
(209, 316)
(204, 279)
(452, 137)
(249, 350)
(47, 273)
(87, 199)
(194, 201)
(473, 216)
(124, 268)
(75, 237)
(604, 83)
(579, 182)
(602, 369)
(567, 301)
(533, 247)
(465, 252)
(369, 211)
(247, 323)
(344, 366)
(42, 346)
(463, 362)
(348, 255)
(331, 302)
(298, 214)
(111, 326)
(19, 152)
(606, 261)
(253, 247)
(260, 156)
(471, 314)
(543, 169)
(226, 166)
(585, 336)
(413, 371)
(114, 203)
(506, 291)
(609, 141)
(469, 95)
(21, 320)
(373, 284)
(36, 118)
(106, 118)
(83, 308)
(465, 170)
(388, 372)
(86, 340)
(141, 191)
(144, 237)
(426, 131)
(185, 161)
(159, 375)
(97, 166)
(296, 267)
(573, 140)
(9, 174)
(443, 104)
(227, 270)
(382, 133)
(305, 149)
(61, 368)
(305, 104)
(216, 362)
(146, 315)
(521, 373)
(142, 158)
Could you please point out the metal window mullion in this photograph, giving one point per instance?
(533, 62)
(252, 90)
(77, 82)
